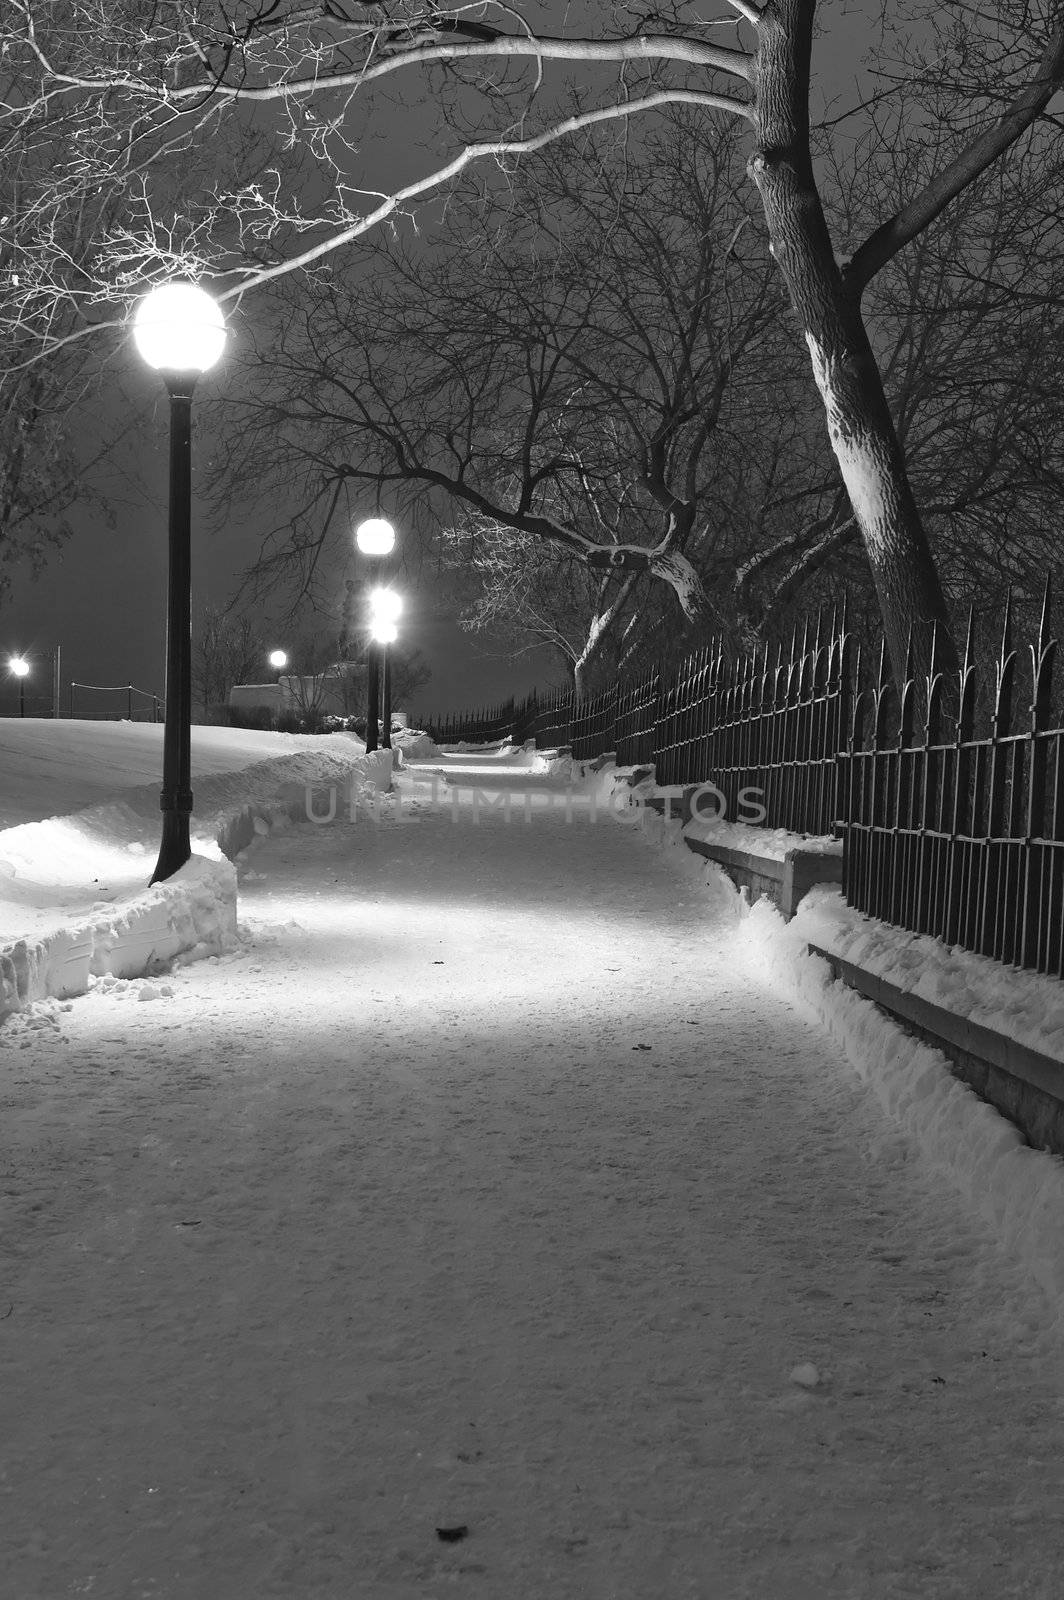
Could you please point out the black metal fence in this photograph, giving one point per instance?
(948, 828)
(544, 717)
(743, 724)
(956, 834)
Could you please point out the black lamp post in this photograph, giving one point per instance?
(19, 666)
(385, 608)
(386, 694)
(180, 331)
(375, 538)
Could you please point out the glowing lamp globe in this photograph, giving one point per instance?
(19, 666)
(384, 632)
(385, 605)
(278, 659)
(179, 328)
(375, 537)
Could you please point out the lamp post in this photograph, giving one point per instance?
(278, 661)
(385, 606)
(19, 667)
(375, 538)
(180, 331)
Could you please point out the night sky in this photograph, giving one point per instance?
(102, 598)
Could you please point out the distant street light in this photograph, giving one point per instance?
(278, 661)
(375, 538)
(385, 605)
(19, 667)
(180, 331)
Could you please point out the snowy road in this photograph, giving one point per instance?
(484, 1186)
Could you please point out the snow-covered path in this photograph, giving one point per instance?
(483, 1186)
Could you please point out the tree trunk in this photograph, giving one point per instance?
(860, 425)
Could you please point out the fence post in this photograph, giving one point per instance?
(661, 720)
(852, 787)
(991, 935)
(1038, 897)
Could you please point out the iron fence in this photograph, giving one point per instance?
(489, 725)
(949, 802)
(742, 724)
(952, 833)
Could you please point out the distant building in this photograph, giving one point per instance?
(328, 692)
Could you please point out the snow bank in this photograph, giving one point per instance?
(499, 748)
(51, 768)
(486, 759)
(775, 843)
(192, 914)
(1025, 1006)
(606, 781)
(72, 865)
(414, 744)
(1018, 1192)
(512, 755)
(74, 900)
(609, 785)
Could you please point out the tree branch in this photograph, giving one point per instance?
(922, 210)
(645, 47)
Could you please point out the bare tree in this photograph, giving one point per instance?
(227, 648)
(146, 87)
(46, 466)
(565, 367)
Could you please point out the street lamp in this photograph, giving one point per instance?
(278, 661)
(375, 538)
(385, 606)
(180, 331)
(19, 667)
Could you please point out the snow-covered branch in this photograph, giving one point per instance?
(499, 150)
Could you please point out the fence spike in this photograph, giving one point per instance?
(1045, 621)
(882, 674)
(1006, 629)
(909, 655)
(969, 641)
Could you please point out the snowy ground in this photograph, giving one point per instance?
(48, 769)
(493, 1180)
(79, 807)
